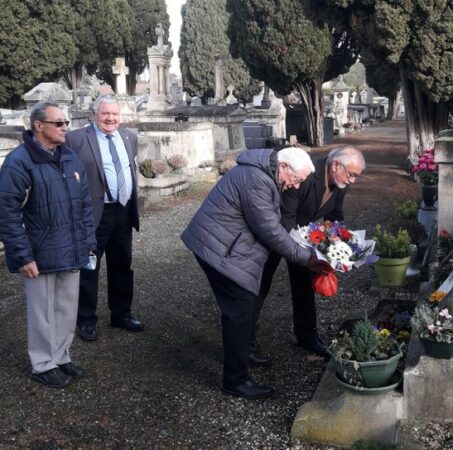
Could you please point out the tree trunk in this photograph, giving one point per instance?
(131, 81)
(425, 119)
(391, 109)
(397, 105)
(311, 95)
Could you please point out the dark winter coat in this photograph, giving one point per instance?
(45, 209)
(239, 222)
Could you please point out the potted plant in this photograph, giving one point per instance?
(366, 357)
(146, 168)
(159, 168)
(427, 172)
(394, 251)
(206, 165)
(434, 326)
(177, 162)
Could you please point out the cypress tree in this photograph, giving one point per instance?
(204, 40)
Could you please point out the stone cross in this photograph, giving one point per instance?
(120, 71)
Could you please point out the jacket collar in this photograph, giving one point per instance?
(38, 154)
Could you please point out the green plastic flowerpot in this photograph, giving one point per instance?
(369, 374)
(391, 272)
(440, 350)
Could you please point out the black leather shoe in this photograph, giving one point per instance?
(314, 344)
(88, 332)
(72, 369)
(250, 390)
(128, 323)
(53, 378)
(259, 360)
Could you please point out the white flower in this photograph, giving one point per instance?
(445, 313)
(340, 252)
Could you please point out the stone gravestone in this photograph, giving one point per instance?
(127, 104)
(195, 101)
(49, 91)
(231, 99)
(219, 83)
(120, 70)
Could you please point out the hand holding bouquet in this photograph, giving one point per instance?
(340, 247)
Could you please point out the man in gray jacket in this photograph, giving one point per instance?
(231, 236)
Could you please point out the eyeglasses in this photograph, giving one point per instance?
(58, 123)
(297, 179)
(349, 175)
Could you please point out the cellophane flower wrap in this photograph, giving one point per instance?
(335, 244)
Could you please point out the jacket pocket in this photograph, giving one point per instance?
(230, 248)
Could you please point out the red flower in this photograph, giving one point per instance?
(316, 236)
(444, 234)
(344, 234)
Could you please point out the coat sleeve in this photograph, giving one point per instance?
(263, 219)
(87, 213)
(15, 187)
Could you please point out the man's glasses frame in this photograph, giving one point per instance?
(57, 123)
(349, 175)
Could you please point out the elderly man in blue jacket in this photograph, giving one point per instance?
(47, 227)
(231, 236)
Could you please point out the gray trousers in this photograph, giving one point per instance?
(52, 302)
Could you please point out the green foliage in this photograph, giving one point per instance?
(433, 323)
(37, 45)
(415, 229)
(365, 343)
(146, 168)
(146, 14)
(275, 52)
(407, 209)
(363, 444)
(390, 245)
(204, 40)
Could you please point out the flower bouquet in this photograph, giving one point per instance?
(341, 248)
(426, 169)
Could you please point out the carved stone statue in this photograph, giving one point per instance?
(160, 35)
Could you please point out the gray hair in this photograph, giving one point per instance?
(345, 155)
(296, 158)
(105, 98)
(38, 112)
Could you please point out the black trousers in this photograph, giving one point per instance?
(302, 296)
(114, 238)
(236, 307)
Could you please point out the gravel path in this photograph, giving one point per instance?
(160, 389)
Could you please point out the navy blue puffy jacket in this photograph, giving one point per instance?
(45, 209)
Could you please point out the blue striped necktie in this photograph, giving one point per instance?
(122, 191)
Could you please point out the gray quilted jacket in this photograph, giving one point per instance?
(239, 222)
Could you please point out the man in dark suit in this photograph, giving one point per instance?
(320, 196)
(108, 154)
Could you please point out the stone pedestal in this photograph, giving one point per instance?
(159, 73)
(427, 217)
(337, 417)
(443, 155)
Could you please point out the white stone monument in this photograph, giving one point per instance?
(120, 70)
(340, 104)
(159, 73)
(231, 99)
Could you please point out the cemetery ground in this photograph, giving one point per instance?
(160, 389)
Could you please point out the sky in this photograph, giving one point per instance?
(174, 11)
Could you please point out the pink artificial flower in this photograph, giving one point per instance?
(423, 166)
(432, 167)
